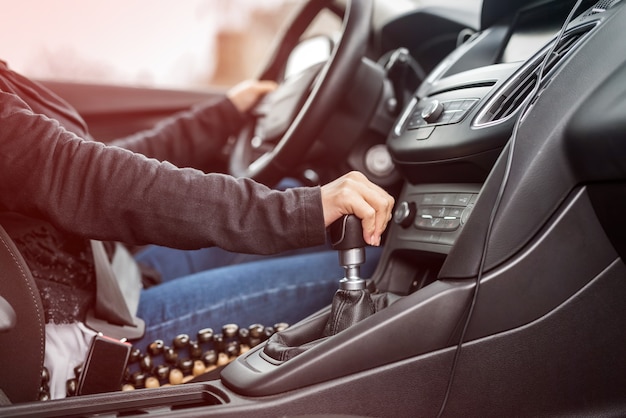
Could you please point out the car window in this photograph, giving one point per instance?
(166, 43)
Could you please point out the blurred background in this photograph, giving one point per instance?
(160, 43)
(153, 43)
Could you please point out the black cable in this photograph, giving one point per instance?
(505, 178)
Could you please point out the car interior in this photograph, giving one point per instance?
(501, 290)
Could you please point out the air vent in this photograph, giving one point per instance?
(506, 102)
(601, 6)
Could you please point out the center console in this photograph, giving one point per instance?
(445, 144)
(445, 157)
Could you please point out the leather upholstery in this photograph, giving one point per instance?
(22, 346)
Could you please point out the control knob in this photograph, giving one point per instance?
(432, 111)
(404, 215)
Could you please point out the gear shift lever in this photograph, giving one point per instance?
(352, 302)
(346, 236)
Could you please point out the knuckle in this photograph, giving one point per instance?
(355, 175)
(370, 213)
(345, 193)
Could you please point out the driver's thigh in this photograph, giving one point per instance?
(172, 263)
(284, 289)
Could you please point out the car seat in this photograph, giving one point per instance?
(22, 336)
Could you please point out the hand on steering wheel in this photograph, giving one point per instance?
(248, 93)
(290, 118)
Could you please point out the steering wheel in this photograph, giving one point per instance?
(289, 119)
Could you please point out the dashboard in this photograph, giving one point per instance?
(450, 134)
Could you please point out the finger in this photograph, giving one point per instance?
(382, 204)
(266, 86)
(373, 209)
(373, 205)
(367, 215)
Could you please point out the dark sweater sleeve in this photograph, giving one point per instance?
(189, 138)
(110, 193)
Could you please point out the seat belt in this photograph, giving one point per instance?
(118, 287)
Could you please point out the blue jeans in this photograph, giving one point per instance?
(213, 287)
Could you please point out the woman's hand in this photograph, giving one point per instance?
(247, 93)
(353, 193)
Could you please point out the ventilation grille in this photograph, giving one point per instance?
(516, 91)
(601, 6)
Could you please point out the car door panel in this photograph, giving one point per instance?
(113, 111)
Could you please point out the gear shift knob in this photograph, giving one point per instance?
(346, 236)
(346, 233)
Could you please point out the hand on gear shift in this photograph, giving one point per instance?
(352, 302)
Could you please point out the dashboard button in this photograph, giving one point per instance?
(453, 105)
(462, 199)
(429, 199)
(431, 211)
(467, 104)
(446, 118)
(415, 121)
(423, 223)
(457, 116)
(446, 199)
(453, 212)
(450, 224)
